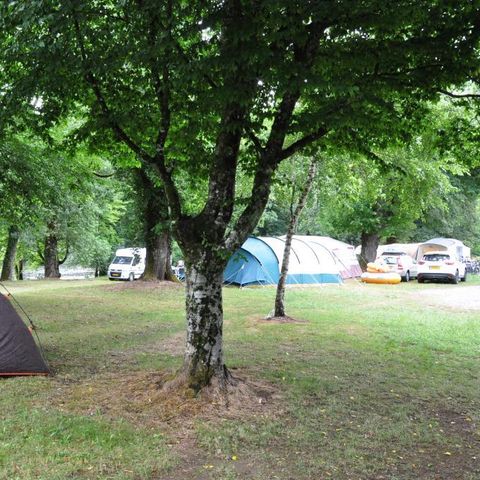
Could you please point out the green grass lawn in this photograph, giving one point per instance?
(374, 382)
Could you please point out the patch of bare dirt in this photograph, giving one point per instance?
(141, 399)
(143, 285)
(457, 460)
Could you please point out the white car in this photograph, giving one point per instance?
(399, 262)
(441, 266)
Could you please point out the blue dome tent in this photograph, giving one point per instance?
(312, 260)
(253, 263)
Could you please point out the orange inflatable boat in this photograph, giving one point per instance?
(381, 278)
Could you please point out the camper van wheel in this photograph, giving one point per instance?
(456, 278)
(131, 277)
(406, 278)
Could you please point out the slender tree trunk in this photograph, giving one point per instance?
(370, 242)
(8, 267)
(50, 254)
(204, 349)
(20, 268)
(292, 227)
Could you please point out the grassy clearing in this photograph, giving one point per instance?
(378, 382)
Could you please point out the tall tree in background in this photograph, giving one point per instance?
(23, 186)
(198, 89)
(156, 223)
(377, 200)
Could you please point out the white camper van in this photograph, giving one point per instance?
(128, 264)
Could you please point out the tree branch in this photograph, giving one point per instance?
(67, 251)
(104, 175)
(94, 84)
(256, 205)
(459, 95)
(169, 186)
(161, 84)
(304, 55)
(303, 142)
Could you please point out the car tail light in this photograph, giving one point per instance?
(449, 262)
(421, 262)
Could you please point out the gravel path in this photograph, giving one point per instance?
(465, 298)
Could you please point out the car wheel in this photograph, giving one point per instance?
(464, 278)
(456, 278)
(420, 279)
(131, 277)
(406, 278)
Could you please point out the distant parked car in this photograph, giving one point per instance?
(399, 262)
(441, 266)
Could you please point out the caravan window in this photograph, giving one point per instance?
(122, 260)
(136, 259)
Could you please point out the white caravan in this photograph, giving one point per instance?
(128, 264)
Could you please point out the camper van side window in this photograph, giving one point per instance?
(136, 260)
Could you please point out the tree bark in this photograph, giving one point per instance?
(204, 348)
(157, 245)
(50, 253)
(20, 268)
(292, 228)
(156, 228)
(8, 267)
(370, 242)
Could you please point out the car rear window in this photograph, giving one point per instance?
(436, 257)
(390, 260)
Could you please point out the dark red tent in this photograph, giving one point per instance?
(19, 354)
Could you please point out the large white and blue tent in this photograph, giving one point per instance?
(313, 259)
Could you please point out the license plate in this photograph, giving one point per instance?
(435, 267)
(115, 274)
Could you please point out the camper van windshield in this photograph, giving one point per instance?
(122, 260)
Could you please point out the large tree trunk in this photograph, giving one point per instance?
(156, 228)
(292, 227)
(156, 262)
(50, 254)
(370, 242)
(204, 350)
(8, 267)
